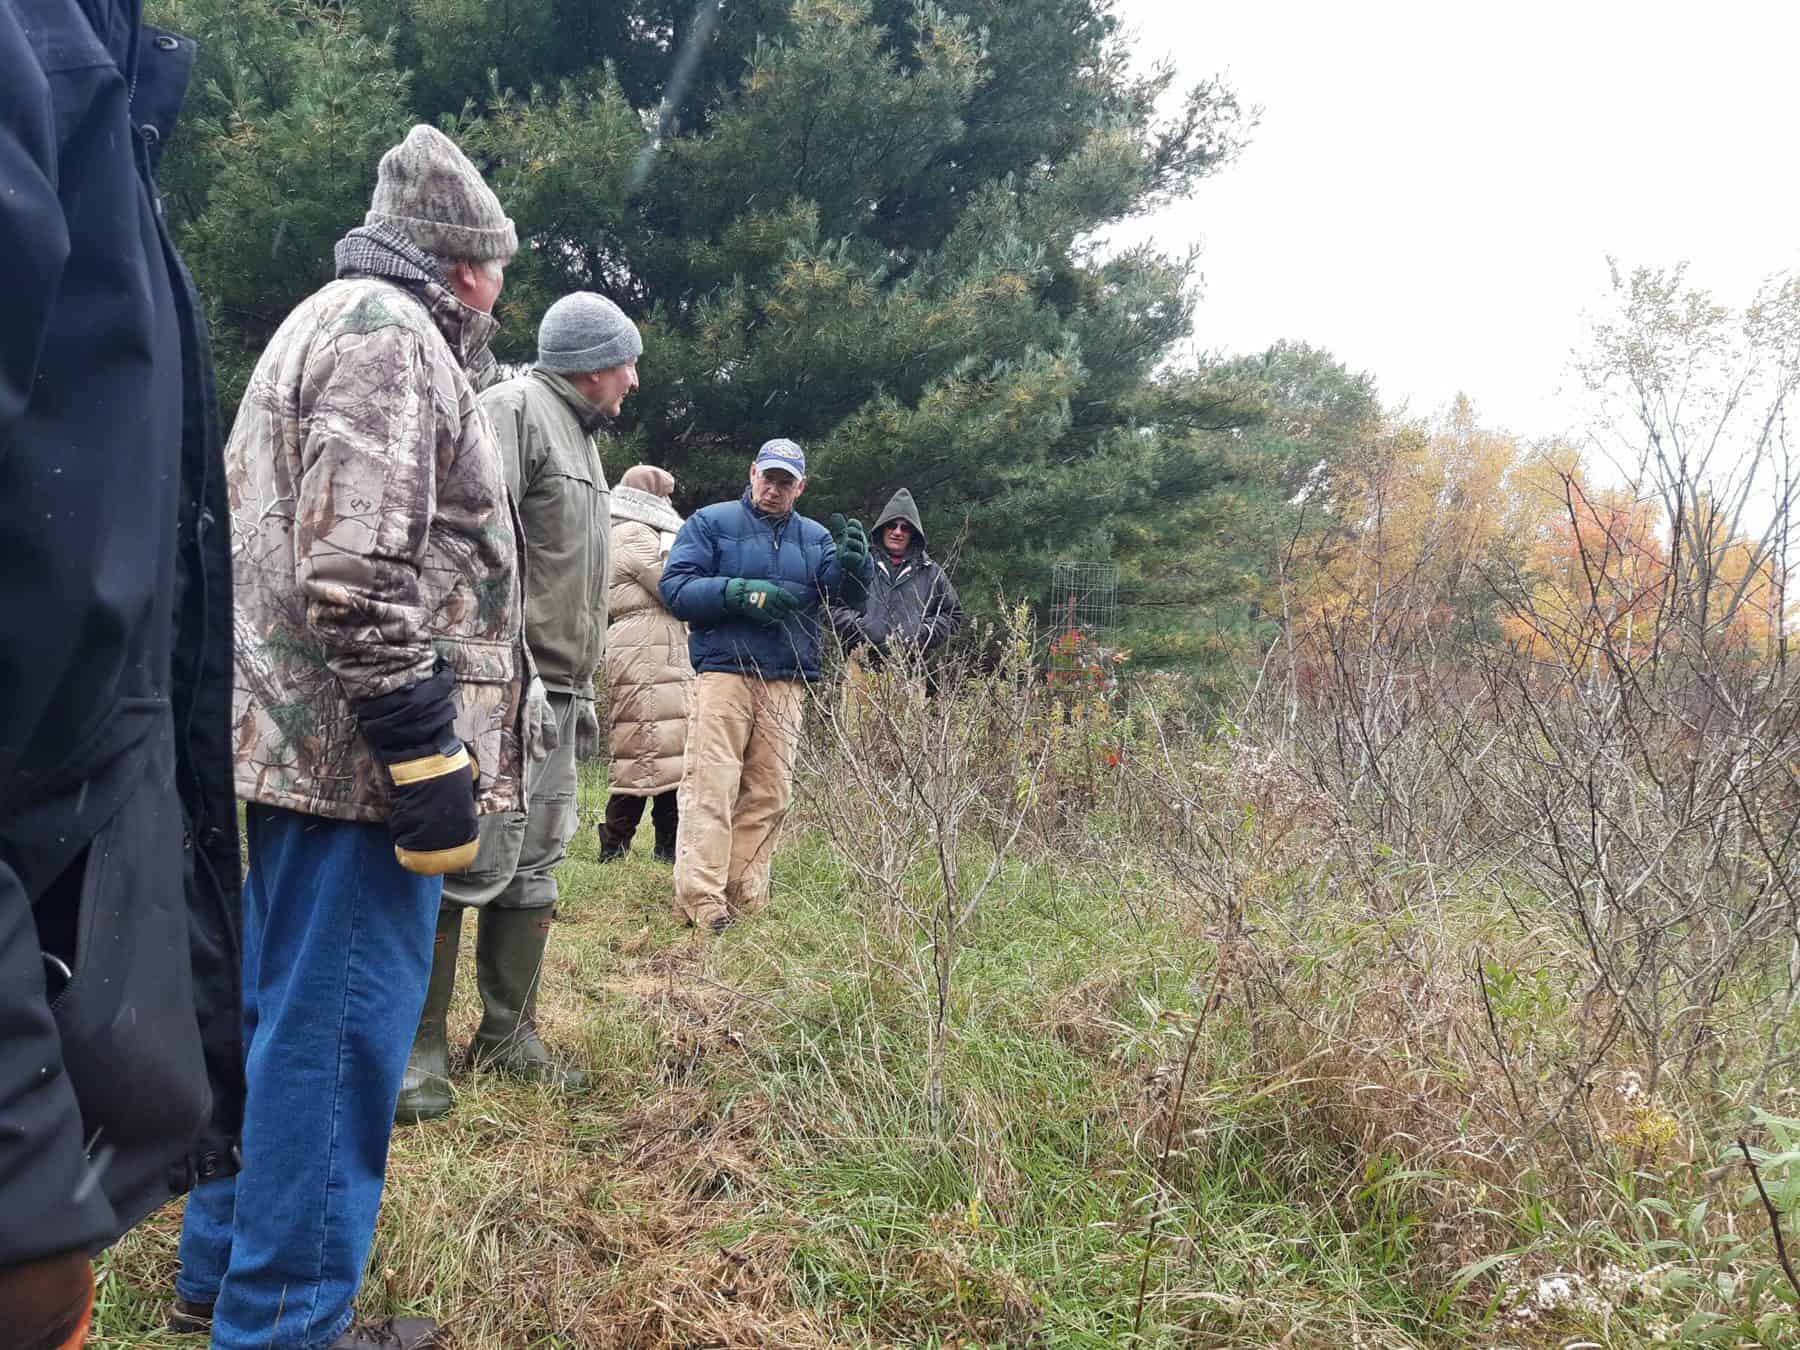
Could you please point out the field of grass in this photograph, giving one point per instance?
(757, 1160)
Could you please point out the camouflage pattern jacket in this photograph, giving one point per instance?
(371, 534)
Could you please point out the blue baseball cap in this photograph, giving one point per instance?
(781, 453)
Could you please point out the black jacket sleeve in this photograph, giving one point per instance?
(44, 1180)
(848, 625)
(34, 238)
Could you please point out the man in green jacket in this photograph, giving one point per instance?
(547, 422)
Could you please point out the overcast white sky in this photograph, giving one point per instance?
(1434, 187)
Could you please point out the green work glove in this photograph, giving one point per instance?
(852, 542)
(762, 602)
(587, 730)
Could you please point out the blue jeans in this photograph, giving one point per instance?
(337, 951)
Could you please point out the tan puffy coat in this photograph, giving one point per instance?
(647, 669)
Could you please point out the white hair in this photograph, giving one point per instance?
(491, 268)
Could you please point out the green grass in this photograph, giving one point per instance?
(756, 1163)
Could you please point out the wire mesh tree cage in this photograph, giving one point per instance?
(1084, 608)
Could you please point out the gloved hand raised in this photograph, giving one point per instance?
(587, 730)
(431, 797)
(852, 541)
(764, 602)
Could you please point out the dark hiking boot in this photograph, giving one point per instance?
(190, 1319)
(509, 956)
(393, 1333)
(618, 825)
(615, 831)
(664, 855)
(425, 1089)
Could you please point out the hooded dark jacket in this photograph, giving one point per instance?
(121, 1076)
(912, 607)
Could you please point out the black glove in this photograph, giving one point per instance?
(431, 804)
(852, 542)
(764, 602)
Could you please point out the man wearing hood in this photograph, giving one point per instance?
(751, 579)
(912, 609)
(381, 707)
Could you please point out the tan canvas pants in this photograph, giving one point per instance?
(736, 782)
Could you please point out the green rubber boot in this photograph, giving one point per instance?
(425, 1090)
(509, 953)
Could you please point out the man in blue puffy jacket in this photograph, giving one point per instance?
(752, 579)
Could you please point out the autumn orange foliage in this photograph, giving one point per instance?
(1456, 534)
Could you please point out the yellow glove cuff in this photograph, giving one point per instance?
(424, 769)
(439, 861)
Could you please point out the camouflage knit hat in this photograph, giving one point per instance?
(427, 189)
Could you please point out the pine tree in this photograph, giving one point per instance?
(1227, 497)
(865, 224)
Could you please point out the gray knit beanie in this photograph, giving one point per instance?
(427, 189)
(584, 332)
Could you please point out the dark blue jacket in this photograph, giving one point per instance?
(118, 838)
(734, 539)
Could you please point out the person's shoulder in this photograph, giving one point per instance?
(508, 394)
(537, 388)
(719, 513)
(630, 527)
(360, 323)
(811, 531)
(371, 315)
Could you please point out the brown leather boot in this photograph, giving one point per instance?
(45, 1304)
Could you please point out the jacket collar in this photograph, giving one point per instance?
(382, 251)
(590, 417)
(773, 522)
(646, 508)
(165, 64)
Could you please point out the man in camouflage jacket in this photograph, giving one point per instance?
(381, 706)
